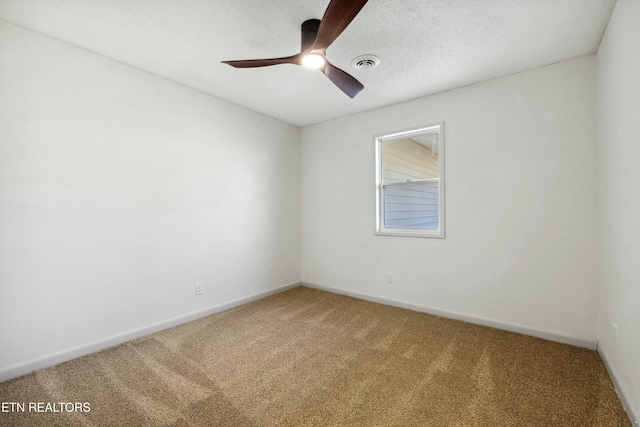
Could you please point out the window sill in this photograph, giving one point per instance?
(403, 232)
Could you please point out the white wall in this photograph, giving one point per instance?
(619, 178)
(520, 209)
(120, 190)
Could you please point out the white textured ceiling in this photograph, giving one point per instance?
(425, 46)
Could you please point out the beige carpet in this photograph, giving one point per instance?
(311, 358)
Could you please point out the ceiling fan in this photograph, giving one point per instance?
(317, 36)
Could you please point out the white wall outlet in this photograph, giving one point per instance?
(199, 288)
(389, 277)
(614, 333)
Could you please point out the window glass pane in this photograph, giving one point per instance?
(411, 158)
(411, 206)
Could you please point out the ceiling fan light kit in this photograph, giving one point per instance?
(316, 37)
(313, 60)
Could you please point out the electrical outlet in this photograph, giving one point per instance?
(199, 288)
(389, 277)
(614, 333)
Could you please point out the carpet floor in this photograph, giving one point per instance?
(311, 358)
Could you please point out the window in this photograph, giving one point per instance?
(410, 182)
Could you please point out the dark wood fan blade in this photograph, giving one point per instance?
(337, 17)
(252, 63)
(344, 81)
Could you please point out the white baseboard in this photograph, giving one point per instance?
(29, 366)
(591, 344)
(634, 415)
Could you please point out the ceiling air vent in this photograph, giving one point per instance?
(365, 62)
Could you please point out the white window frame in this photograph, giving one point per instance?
(379, 147)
